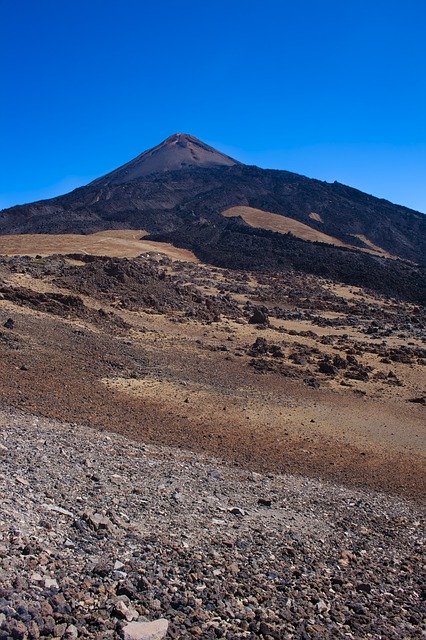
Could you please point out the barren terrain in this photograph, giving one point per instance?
(120, 243)
(100, 534)
(208, 452)
(328, 381)
(283, 224)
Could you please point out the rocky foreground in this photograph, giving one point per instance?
(100, 535)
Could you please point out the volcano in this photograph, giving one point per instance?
(179, 151)
(189, 194)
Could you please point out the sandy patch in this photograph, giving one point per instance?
(347, 420)
(372, 246)
(117, 243)
(281, 224)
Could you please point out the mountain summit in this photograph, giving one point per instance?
(179, 151)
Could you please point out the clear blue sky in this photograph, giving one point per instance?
(333, 89)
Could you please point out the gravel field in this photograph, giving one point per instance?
(100, 534)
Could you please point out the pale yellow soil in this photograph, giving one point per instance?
(117, 243)
(371, 245)
(282, 224)
(349, 292)
(315, 216)
(343, 419)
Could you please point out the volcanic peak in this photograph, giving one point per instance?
(178, 151)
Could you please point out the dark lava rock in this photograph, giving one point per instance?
(312, 382)
(298, 358)
(339, 362)
(264, 502)
(259, 316)
(259, 347)
(327, 367)
(276, 351)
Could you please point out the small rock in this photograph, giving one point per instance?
(33, 630)
(264, 502)
(60, 629)
(50, 583)
(124, 612)
(327, 368)
(18, 630)
(265, 629)
(363, 587)
(22, 481)
(53, 507)
(36, 577)
(71, 632)
(155, 630)
(346, 557)
(97, 521)
(322, 606)
(102, 569)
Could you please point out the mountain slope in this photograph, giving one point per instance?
(183, 185)
(282, 224)
(160, 201)
(179, 151)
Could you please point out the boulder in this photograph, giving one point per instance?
(259, 316)
(326, 367)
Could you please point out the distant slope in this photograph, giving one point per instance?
(282, 224)
(164, 201)
(233, 244)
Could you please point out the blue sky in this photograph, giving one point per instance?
(331, 89)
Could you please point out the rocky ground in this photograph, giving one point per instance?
(293, 373)
(99, 534)
(207, 453)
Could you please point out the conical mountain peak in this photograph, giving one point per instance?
(182, 137)
(178, 151)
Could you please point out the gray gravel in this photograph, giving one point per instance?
(97, 531)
